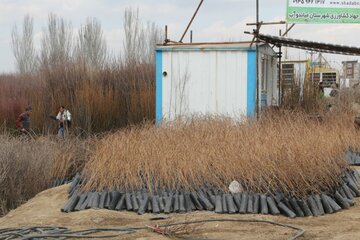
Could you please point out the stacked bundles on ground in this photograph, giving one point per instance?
(353, 157)
(283, 163)
(220, 202)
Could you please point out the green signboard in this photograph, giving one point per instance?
(323, 11)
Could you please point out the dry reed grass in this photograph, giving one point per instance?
(306, 98)
(71, 156)
(27, 167)
(284, 152)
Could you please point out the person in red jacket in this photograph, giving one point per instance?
(23, 121)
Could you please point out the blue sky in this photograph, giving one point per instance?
(218, 20)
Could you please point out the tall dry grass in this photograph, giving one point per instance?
(71, 156)
(25, 169)
(306, 97)
(28, 167)
(285, 152)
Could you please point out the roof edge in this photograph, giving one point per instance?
(246, 45)
(207, 43)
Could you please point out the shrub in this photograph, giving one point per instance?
(28, 167)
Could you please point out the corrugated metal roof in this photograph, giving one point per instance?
(310, 45)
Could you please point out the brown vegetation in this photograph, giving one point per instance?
(109, 98)
(285, 152)
(103, 91)
(25, 169)
(28, 167)
(72, 155)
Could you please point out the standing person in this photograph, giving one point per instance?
(23, 121)
(64, 118)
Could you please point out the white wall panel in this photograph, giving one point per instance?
(204, 82)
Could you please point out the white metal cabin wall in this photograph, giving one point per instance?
(273, 97)
(204, 82)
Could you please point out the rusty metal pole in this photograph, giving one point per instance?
(257, 59)
(192, 19)
(280, 78)
(166, 34)
(288, 30)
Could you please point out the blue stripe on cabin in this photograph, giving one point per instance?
(159, 66)
(251, 83)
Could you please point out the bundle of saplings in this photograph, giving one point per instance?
(282, 164)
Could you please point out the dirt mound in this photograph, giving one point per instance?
(44, 210)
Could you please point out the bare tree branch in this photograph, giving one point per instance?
(91, 46)
(23, 47)
(57, 44)
(140, 39)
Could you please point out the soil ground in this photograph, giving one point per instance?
(44, 210)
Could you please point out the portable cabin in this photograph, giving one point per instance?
(214, 79)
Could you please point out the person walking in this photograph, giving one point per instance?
(64, 119)
(23, 122)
